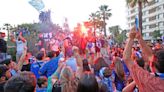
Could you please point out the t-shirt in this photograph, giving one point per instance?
(26, 67)
(50, 67)
(72, 63)
(118, 83)
(41, 89)
(35, 68)
(20, 46)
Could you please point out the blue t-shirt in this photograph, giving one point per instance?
(35, 68)
(41, 89)
(118, 83)
(72, 63)
(50, 67)
(126, 70)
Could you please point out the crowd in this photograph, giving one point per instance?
(86, 65)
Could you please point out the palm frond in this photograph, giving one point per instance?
(128, 1)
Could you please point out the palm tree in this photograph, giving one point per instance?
(95, 21)
(132, 3)
(104, 14)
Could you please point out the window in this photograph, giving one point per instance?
(128, 19)
(147, 34)
(157, 17)
(162, 32)
(132, 23)
(150, 34)
(161, 16)
(160, 0)
(144, 20)
(147, 12)
(152, 26)
(158, 8)
(144, 27)
(144, 13)
(152, 18)
(156, 1)
(147, 19)
(147, 27)
(146, 4)
(161, 24)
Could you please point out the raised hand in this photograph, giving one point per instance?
(132, 33)
(138, 34)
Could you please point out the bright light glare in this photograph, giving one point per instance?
(83, 29)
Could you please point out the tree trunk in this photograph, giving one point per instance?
(140, 15)
(104, 25)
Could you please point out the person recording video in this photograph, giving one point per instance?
(20, 44)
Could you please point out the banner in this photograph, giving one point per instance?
(37, 4)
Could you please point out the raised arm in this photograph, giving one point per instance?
(12, 38)
(146, 50)
(21, 37)
(130, 87)
(128, 49)
(21, 60)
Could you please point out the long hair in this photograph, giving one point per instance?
(99, 63)
(119, 69)
(67, 78)
(88, 83)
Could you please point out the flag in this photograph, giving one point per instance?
(37, 4)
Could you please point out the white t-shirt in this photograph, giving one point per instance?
(55, 44)
(20, 46)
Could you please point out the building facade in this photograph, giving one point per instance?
(152, 17)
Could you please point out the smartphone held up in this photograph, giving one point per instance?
(137, 23)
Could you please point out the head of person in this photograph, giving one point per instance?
(40, 56)
(4, 73)
(42, 82)
(140, 62)
(43, 51)
(99, 63)
(2, 35)
(75, 50)
(119, 69)
(157, 46)
(67, 80)
(23, 82)
(158, 61)
(88, 83)
(85, 65)
(105, 72)
(7, 62)
(69, 52)
(66, 74)
(28, 56)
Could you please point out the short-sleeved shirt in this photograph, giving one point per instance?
(145, 81)
(50, 67)
(118, 83)
(72, 63)
(20, 46)
(35, 68)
